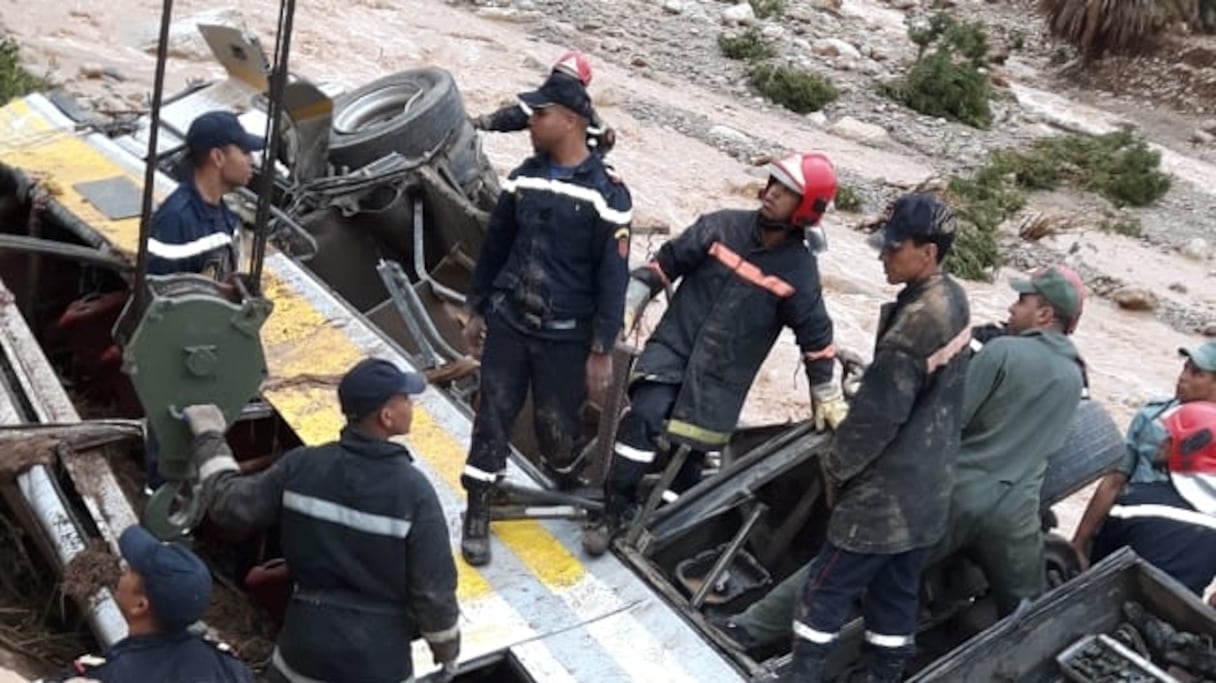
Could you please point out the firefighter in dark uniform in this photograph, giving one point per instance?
(193, 231)
(891, 459)
(514, 117)
(745, 275)
(546, 300)
(361, 529)
(1172, 523)
(165, 589)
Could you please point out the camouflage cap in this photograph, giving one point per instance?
(1059, 285)
(914, 215)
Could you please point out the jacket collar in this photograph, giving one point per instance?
(915, 289)
(360, 443)
(587, 166)
(792, 234)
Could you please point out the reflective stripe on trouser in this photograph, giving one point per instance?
(512, 363)
(634, 451)
(836, 577)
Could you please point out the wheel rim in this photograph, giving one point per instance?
(377, 108)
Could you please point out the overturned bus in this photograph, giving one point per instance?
(381, 197)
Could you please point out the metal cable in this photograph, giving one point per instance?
(145, 216)
(274, 106)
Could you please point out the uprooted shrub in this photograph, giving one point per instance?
(947, 79)
(797, 90)
(1098, 26)
(1119, 166)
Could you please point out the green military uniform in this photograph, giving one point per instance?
(1021, 396)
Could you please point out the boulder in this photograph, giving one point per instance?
(741, 13)
(1135, 299)
(851, 129)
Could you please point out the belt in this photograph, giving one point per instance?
(532, 321)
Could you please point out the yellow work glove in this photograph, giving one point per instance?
(829, 405)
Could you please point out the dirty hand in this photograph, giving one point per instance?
(445, 652)
(480, 122)
(599, 372)
(829, 406)
(205, 418)
(475, 336)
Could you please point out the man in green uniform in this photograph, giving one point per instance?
(1022, 392)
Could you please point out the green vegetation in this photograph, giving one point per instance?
(751, 46)
(848, 199)
(15, 81)
(797, 90)
(1118, 166)
(1096, 27)
(947, 79)
(767, 9)
(1122, 225)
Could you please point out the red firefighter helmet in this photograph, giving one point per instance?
(1192, 452)
(812, 176)
(575, 63)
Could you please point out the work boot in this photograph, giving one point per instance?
(599, 534)
(475, 539)
(809, 664)
(885, 664)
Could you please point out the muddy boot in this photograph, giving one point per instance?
(475, 539)
(885, 664)
(599, 534)
(809, 664)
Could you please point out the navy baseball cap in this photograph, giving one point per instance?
(914, 215)
(220, 129)
(559, 89)
(176, 581)
(371, 383)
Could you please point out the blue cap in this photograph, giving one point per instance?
(914, 215)
(560, 89)
(366, 387)
(220, 129)
(176, 582)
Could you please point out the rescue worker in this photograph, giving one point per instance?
(546, 299)
(1196, 382)
(514, 117)
(193, 231)
(743, 276)
(1027, 374)
(361, 529)
(1021, 394)
(164, 590)
(891, 455)
(1172, 523)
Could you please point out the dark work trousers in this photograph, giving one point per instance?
(837, 578)
(634, 451)
(513, 361)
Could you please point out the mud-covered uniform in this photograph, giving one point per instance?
(735, 296)
(892, 459)
(367, 542)
(550, 283)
